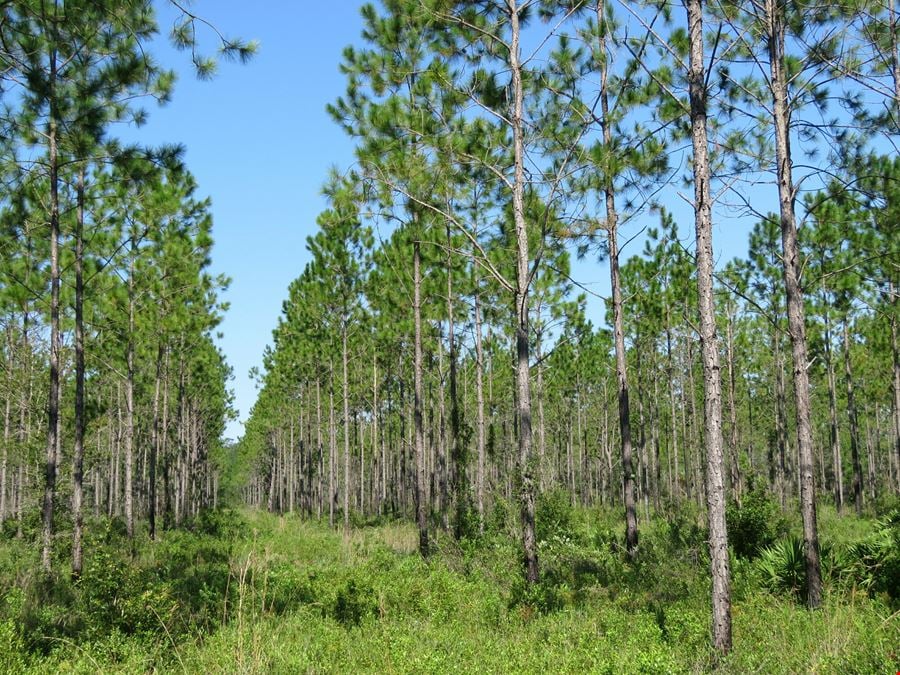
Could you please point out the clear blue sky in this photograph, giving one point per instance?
(260, 142)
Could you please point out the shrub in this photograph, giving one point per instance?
(874, 563)
(754, 525)
(783, 566)
(353, 603)
(553, 515)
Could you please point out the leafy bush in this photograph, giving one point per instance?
(353, 603)
(755, 524)
(874, 563)
(197, 571)
(553, 515)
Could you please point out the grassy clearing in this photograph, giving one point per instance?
(250, 592)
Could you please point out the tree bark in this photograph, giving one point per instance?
(523, 380)
(78, 450)
(612, 218)
(834, 432)
(715, 482)
(346, 383)
(854, 424)
(129, 399)
(421, 498)
(479, 395)
(55, 342)
(794, 292)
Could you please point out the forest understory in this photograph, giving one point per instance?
(250, 592)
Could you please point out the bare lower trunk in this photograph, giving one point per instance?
(78, 450)
(457, 451)
(895, 351)
(780, 423)
(421, 500)
(55, 346)
(523, 380)
(154, 443)
(631, 532)
(715, 483)
(737, 480)
(479, 395)
(332, 451)
(346, 382)
(834, 434)
(854, 425)
(7, 423)
(796, 315)
(129, 401)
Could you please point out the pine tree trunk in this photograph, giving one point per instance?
(674, 470)
(55, 342)
(895, 352)
(129, 400)
(715, 460)
(834, 434)
(421, 490)
(479, 395)
(7, 423)
(332, 451)
(780, 424)
(154, 442)
(854, 424)
(523, 380)
(796, 315)
(737, 479)
(346, 384)
(78, 450)
(612, 218)
(458, 477)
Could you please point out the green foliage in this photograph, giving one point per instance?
(299, 597)
(553, 515)
(353, 603)
(873, 564)
(755, 524)
(783, 566)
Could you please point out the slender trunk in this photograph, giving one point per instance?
(441, 471)
(7, 423)
(346, 384)
(780, 424)
(375, 448)
(154, 442)
(674, 471)
(55, 342)
(421, 498)
(129, 400)
(737, 479)
(854, 424)
(78, 450)
(332, 451)
(523, 381)
(320, 449)
(834, 434)
(895, 351)
(163, 442)
(796, 315)
(457, 456)
(479, 395)
(715, 482)
(631, 532)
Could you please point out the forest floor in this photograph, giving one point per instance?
(249, 592)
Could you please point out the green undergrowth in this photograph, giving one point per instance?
(249, 592)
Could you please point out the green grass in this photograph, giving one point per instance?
(267, 594)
